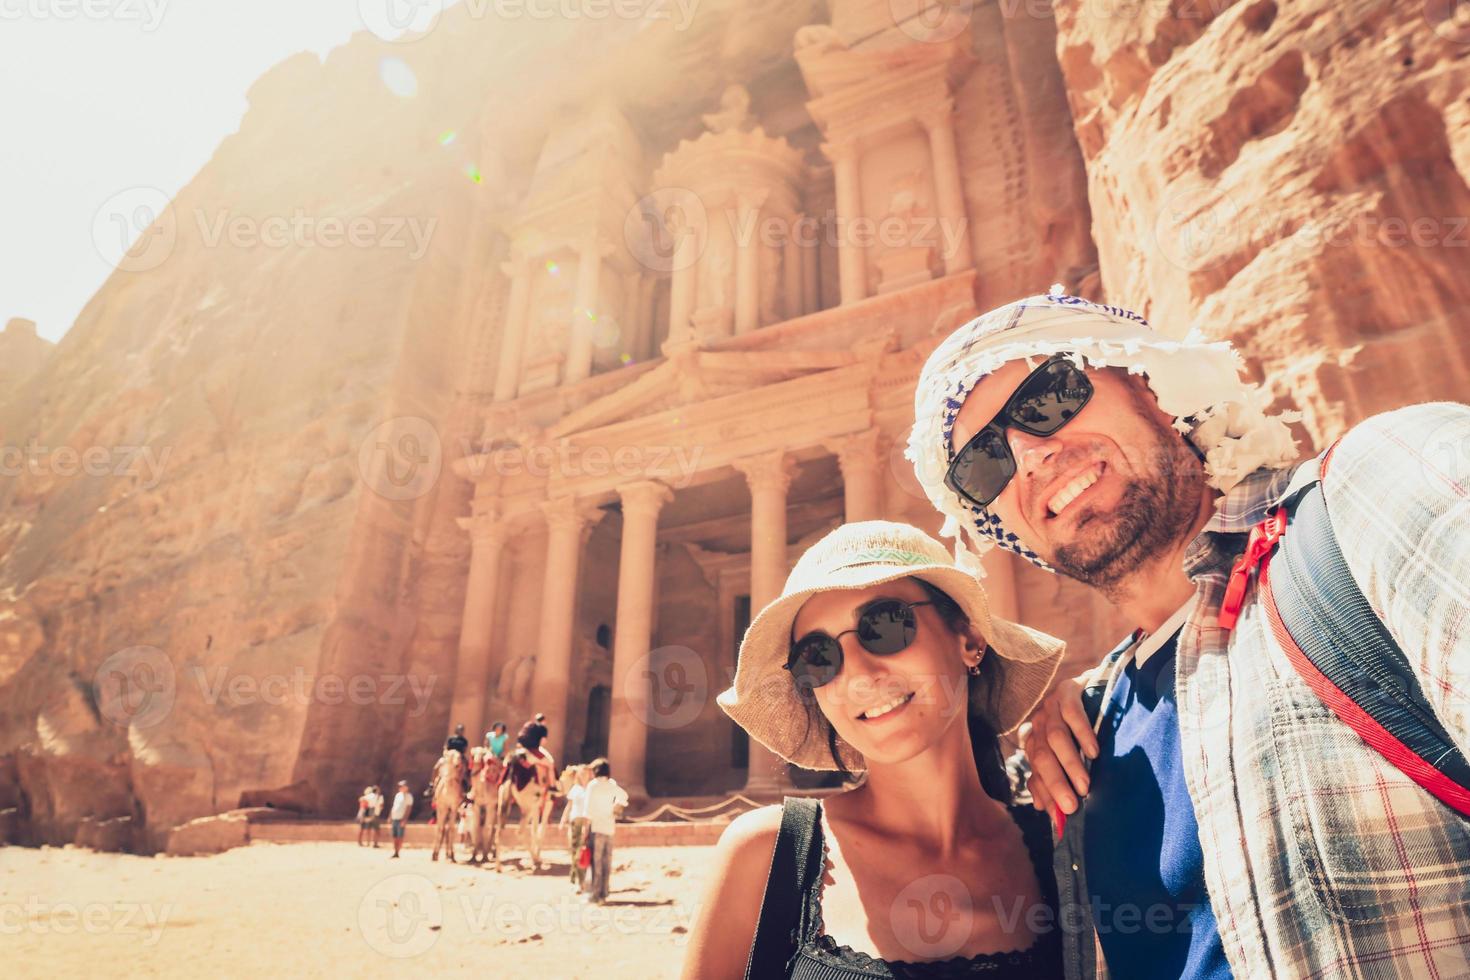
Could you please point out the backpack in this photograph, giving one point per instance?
(1337, 643)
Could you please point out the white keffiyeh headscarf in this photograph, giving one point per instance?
(1198, 382)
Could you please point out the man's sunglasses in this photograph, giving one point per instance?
(884, 627)
(1049, 398)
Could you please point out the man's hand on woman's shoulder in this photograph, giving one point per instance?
(1054, 741)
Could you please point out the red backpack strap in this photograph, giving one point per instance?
(1338, 645)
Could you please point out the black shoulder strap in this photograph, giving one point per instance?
(1340, 639)
(780, 921)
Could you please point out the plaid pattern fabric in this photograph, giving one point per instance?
(1321, 858)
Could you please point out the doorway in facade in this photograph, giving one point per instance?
(599, 721)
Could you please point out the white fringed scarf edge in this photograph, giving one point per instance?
(1197, 382)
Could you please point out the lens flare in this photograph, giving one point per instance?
(398, 77)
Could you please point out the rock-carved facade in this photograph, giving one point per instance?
(661, 332)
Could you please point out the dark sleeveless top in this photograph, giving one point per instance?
(819, 957)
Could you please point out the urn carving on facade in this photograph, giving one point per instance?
(731, 196)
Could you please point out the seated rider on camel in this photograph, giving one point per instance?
(459, 743)
(530, 737)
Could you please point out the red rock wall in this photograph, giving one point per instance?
(232, 388)
(1291, 176)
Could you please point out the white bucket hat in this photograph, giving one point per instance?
(1196, 381)
(764, 700)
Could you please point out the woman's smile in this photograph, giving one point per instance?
(887, 710)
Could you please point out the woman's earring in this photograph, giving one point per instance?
(974, 669)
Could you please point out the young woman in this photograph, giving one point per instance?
(881, 656)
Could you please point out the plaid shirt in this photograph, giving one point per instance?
(1321, 858)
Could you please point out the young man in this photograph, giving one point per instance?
(605, 800)
(1234, 825)
(531, 735)
(402, 806)
(457, 741)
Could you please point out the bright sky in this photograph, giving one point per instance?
(99, 96)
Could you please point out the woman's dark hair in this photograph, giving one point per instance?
(984, 740)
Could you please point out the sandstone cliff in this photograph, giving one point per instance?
(1291, 176)
(232, 495)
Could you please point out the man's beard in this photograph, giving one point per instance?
(1154, 511)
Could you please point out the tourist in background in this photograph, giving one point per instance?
(398, 815)
(369, 813)
(881, 657)
(496, 738)
(530, 737)
(364, 807)
(605, 801)
(574, 818)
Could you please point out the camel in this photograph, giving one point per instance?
(485, 771)
(531, 797)
(448, 795)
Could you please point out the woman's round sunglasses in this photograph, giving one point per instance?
(1049, 398)
(884, 627)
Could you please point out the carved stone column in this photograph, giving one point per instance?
(568, 523)
(852, 272)
(747, 262)
(513, 342)
(811, 285)
(792, 302)
(939, 123)
(769, 477)
(628, 729)
(684, 282)
(862, 475)
(472, 667)
(585, 309)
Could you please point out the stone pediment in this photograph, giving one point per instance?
(688, 377)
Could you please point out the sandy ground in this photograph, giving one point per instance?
(330, 909)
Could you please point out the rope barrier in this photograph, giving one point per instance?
(687, 813)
